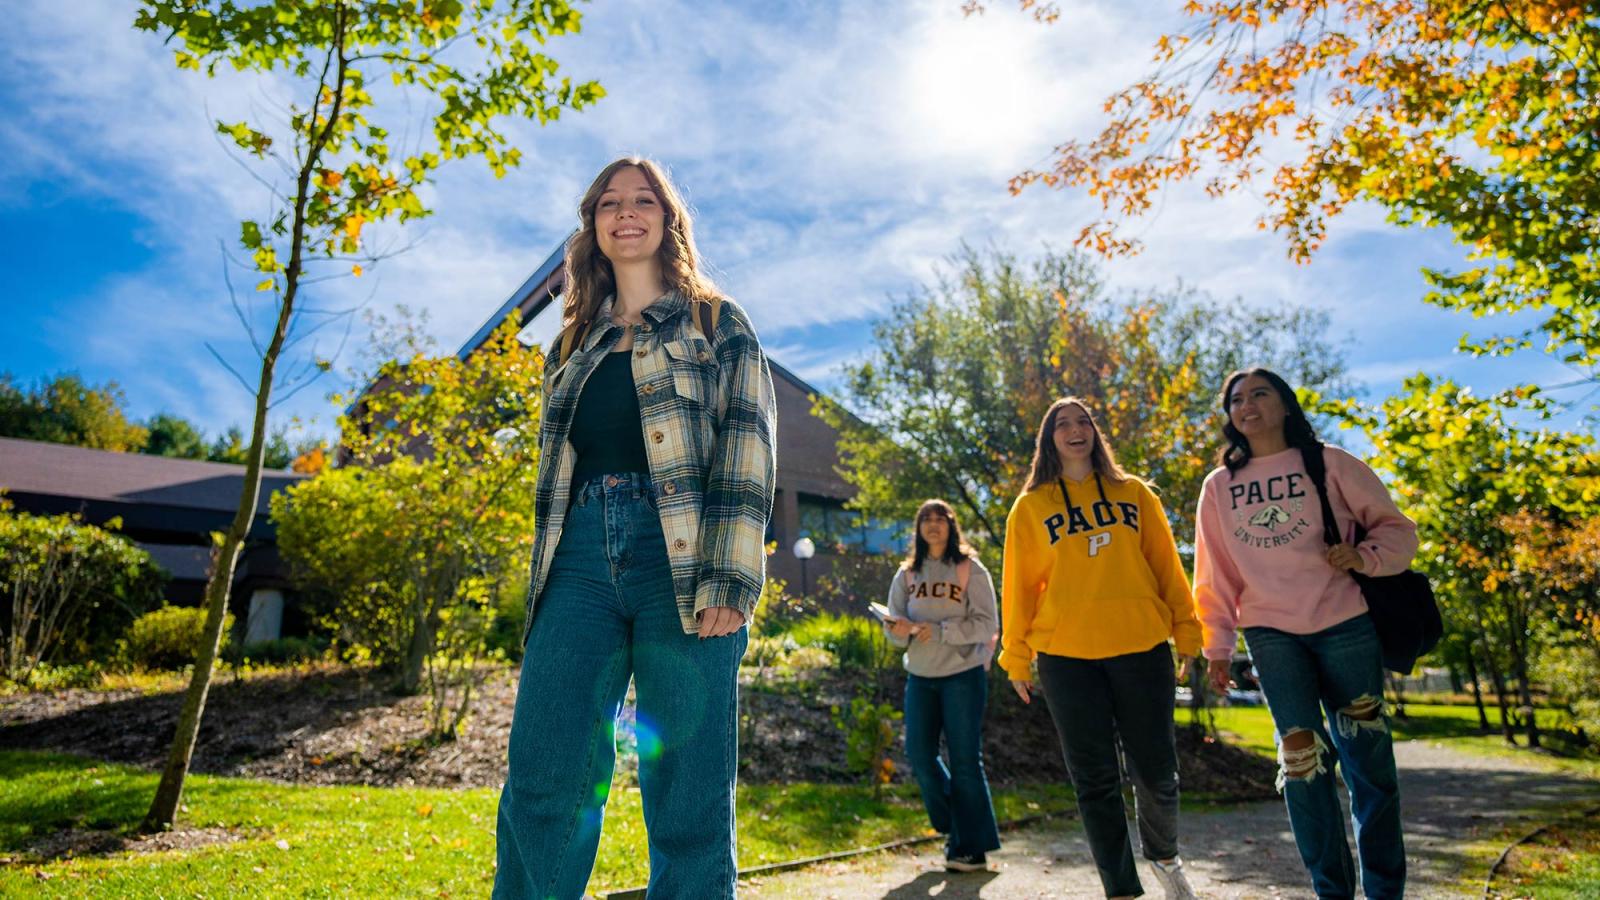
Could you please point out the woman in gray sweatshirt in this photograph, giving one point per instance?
(942, 610)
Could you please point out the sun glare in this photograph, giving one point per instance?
(973, 89)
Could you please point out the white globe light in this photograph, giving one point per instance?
(804, 549)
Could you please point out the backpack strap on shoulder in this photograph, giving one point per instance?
(707, 314)
(964, 574)
(571, 338)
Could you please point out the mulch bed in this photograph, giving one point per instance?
(338, 725)
(80, 842)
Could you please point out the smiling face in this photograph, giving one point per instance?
(629, 220)
(1074, 435)
(1255, 408)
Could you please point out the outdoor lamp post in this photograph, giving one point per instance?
(804, 550)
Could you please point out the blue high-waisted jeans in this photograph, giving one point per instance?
(957, 797)
(1328, 673)
(607, 612)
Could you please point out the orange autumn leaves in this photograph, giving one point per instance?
(1374, 97)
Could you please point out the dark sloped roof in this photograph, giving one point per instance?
(184, 562)
(80, 473)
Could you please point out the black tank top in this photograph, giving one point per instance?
(605, 427)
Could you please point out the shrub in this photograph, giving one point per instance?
(778, 610)
(869, 732)
(282, 651)
(855, 641)
(805, 659)
(70, 589)
(46, 677)
(168, 638)
(765, 651)
(510, 614)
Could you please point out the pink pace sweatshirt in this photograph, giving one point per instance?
(1260, 558)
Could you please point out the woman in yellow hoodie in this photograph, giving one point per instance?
(1093, 590)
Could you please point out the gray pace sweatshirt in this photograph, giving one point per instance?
(964, 626)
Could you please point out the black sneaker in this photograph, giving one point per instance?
(975, 862)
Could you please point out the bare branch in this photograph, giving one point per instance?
(233, 297)
(226, 365)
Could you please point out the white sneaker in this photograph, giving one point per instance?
(1173, 880)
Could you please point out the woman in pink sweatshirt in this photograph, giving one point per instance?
(1262, 566)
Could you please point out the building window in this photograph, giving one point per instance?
(827, 522)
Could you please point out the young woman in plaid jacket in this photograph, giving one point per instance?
(655, 484)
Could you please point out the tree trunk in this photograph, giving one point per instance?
(1525, 693)
(416, 655)
(1397, 684)
(1499, 682)
(169, 793)
(1477, 692)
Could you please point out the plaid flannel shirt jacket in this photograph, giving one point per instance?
(708, 414)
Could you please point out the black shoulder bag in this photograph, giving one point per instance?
(1401, 606)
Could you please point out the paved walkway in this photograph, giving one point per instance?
(1453, 800)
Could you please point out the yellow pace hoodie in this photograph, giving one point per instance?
(1090, 575)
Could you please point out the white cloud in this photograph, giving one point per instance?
(836, 153)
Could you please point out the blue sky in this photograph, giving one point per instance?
(835, 153)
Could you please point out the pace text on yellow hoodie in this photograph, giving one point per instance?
(1091, 574)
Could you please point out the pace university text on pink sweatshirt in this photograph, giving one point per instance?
(1259, 554)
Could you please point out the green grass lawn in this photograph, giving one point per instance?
(1250, 727)
(1561, 863)
(347, 841)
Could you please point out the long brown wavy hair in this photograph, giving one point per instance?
(955, 547)
(1047, 462)
(590, 278)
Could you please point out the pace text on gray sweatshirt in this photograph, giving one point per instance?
(963, 624)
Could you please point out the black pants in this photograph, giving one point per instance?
(1094, 702)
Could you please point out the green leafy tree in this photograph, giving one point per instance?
(66, 410)
(68, 586)
(430, 516)
(1561, 557)
(471, 64)
(230, 447)
(1465, 471)
(948, 402)
(1480, 118)
(172, 435)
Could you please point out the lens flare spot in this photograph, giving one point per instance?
(649, 741)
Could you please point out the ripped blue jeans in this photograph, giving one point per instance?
(1334, 676)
